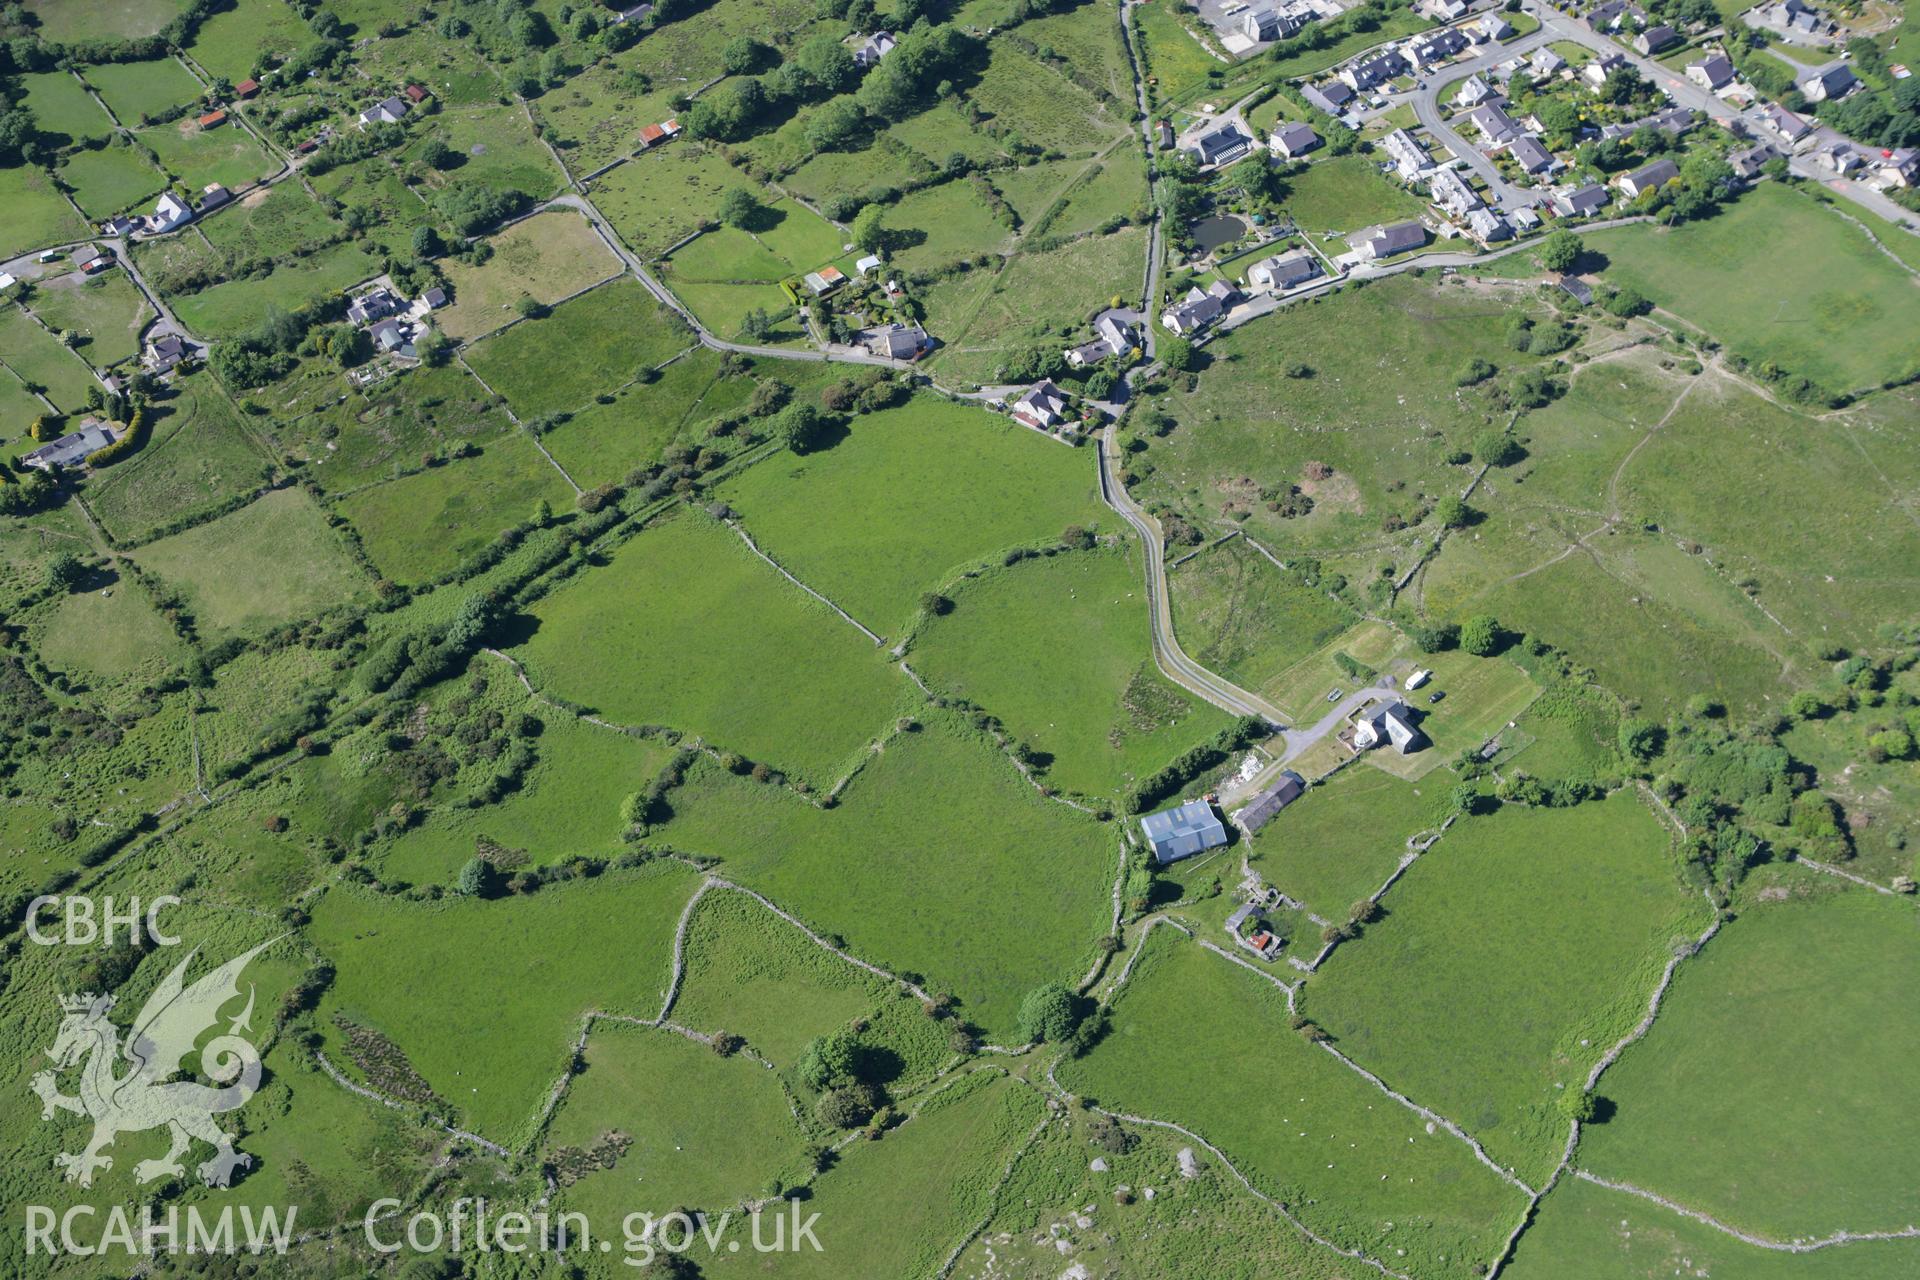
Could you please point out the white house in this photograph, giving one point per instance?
(386, 111)
(169, 211)
(873, 48)
(1389, 724)
(1284, 271)
(1408, 156)
(1042, 406)
(1294, 139)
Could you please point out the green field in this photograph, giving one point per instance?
(196, 157)
(1511, 956)
(234, 41)
(1586, 1232)
(1242, 616)
(33, 212)
(752, 973)
(596, 342)
(111, 631)
(604, 442)
(916, 495)
(406, 969)
(1726, 1106)
(1830, 310)
(1057, 648)
(107, 310)
(938, 859)
(1346, 193)
(237, 306)
(273, 561)
(419, 526)
(135, 91)
(199, 456)
(41, 361)
(547, 257)
(62, 107)
(111, 180)
(705, 1131)
(711, 640)
(1338, 843)
(63, 20)
(661, 197)
(1348, 1161)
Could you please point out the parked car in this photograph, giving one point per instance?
(1436, 695)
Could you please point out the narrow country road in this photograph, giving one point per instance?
(1167, 653)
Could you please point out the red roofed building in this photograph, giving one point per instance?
(652, 135)
(213, 119)
(246, 88)
(415, 93)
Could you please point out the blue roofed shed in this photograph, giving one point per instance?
(1182, 832)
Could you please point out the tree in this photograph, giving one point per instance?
(757, 323)
(477, 879)
(739, 207)
(801, 426)
(1452, 512)
(1048, 1013)
(1576, 1104)
(1480, 635)
(844, 1108)
(1178, 354)
(438, 155)
(1559, 251)
(65, 572)
(836, 126)
(427, 242)
(1641, 740)
(1628, 301)
(935, 604)
(743, 55)
(830, 1061)
(829, 62)
(867, 230)
(1497, 448)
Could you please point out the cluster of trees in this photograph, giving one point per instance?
(1890, 119)
(1194, 762)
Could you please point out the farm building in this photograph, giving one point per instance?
(1289, 787)
(1182, 831)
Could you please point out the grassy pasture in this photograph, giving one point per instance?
(1303, 1127)
(378, 430)
(661, 197)
(1346, 193)
(832, 173)
(1779, 1142)
(497, 148)
(567, 806)
(226, 154)
(107, 309)
(408, 970)
(1829, 310)
(705, 1131)
(110, 180)
(134, 91)
(1238, 614)
(33, 212)
(943, 223)
(63, 20)
(1338, 843)
(1587, 1232)
(273, 561)
(915, 494)
(896, 1208)
(41, 361)
(418, 526)
(232, 42)
(199, 456)
(1512, 955)
(1057, 648)
(1176, 63)
(937, 825)
(1841, 544)
(711, 640)
(237, 306)
(1381, 410)
(603, 442)
(1303, 689)
(546, 257)
(1118, 187)
(111, 632)
(1483, 696)
(751, 973)
(62, 107)
(723, 308)
(594, 343)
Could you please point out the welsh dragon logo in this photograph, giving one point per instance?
(144, 1097)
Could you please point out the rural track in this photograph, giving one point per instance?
(1167, 653)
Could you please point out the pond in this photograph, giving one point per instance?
(1211, 233)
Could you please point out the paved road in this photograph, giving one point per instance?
(1432, 115)
(1167, 653)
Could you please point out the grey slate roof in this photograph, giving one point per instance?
(1183, 831)
(1285, 790)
